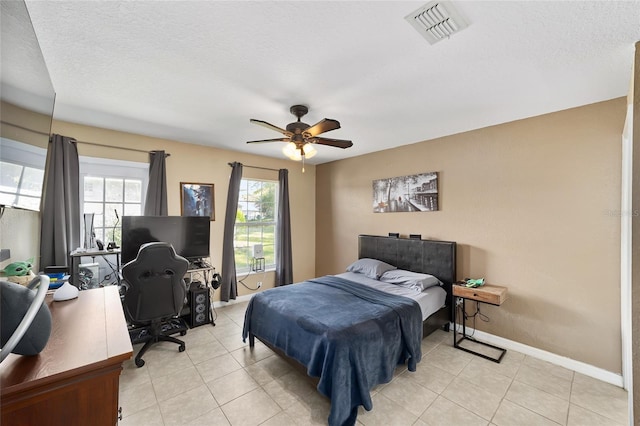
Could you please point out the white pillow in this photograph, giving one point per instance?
(415, 280)
(372, 268)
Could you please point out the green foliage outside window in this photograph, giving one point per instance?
(255, 222)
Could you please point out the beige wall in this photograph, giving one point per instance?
(24, 125)
(533, 205)
(195, 163)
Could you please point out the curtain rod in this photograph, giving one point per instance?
(256, 167)
(120, 147)
(83, 142)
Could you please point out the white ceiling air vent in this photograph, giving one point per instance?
(436, 21)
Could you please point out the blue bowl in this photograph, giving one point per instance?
(57, 275)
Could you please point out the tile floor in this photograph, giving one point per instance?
(218, 380)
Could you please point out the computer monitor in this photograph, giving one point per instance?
(189, 235)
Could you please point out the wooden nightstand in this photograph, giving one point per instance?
(491, 294)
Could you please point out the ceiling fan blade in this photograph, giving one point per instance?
(271, 126)
(338, 143)
(321, 126)
(271, 140)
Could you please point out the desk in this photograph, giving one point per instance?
(76, 257)
(491, 294)
(75, 379)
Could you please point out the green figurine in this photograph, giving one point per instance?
(18, 269)
(471, 283)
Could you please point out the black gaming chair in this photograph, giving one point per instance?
(156, 291)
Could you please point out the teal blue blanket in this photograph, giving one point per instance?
(349, 335)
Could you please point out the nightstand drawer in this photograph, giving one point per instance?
(487, 293)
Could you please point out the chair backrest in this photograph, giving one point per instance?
(156, 283)
(25, 318)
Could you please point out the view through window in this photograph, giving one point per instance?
(110, 186)
(104, 197)
(20, 186)
(21, 174)
(256, 222)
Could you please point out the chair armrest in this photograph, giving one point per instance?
(123, 288)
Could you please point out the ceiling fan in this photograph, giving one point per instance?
(301, 137)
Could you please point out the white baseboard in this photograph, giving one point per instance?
(571, 364)
(239, 299)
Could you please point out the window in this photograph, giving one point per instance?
(20, 186)
(21, 174)
(256, 223)
(105, 185)
(108, 186)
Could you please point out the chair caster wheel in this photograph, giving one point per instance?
(183, 332)
(139, 362)
(181, 348)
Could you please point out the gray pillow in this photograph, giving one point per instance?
(414, 280)
(372, 268)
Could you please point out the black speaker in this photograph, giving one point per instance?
(199, 306)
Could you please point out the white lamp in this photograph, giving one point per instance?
(309, 150)
(291, 151)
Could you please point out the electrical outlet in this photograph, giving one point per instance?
(259, 284)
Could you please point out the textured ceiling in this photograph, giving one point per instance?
(198, 71)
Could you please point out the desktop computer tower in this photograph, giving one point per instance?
(199, 307)
(88, 275)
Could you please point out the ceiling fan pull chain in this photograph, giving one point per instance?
(302, 155)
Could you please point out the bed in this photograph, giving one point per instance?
(352, 334)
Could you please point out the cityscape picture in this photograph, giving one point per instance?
(413, 193)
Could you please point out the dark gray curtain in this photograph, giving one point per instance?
(156, 202)
(229, 285)
(284, 260)
(60, 204)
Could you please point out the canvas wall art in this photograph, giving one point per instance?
(197, 199)
(413, 193)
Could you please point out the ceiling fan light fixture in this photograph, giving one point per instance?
(301, 137)
(293, 152)
(309, 150)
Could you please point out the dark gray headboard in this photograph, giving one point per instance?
(437, 258)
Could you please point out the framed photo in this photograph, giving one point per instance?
(197, 199)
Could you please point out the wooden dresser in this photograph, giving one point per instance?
(75, 379)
